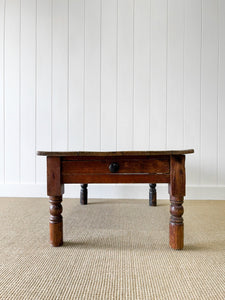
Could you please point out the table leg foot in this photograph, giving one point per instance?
(177, 193)
(55, 221)
(152, 194)
(84, 194)
(176, 227)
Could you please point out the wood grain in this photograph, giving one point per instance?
(55, 190)
(56, 221)
(54, 182)
(83, 194)
(115, 178)
(177, 175)
(123, 167)
(150, 165)
(152, 195)
(114, 153)
(177, 192)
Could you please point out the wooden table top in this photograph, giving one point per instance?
(114, 153)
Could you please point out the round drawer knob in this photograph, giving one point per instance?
(114, 167)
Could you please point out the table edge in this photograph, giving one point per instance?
(114, 153)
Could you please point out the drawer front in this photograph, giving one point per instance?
(116, 166)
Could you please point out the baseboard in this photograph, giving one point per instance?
(113, 191)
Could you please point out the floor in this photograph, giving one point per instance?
(113, 249)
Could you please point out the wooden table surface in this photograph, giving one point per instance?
(114, 153)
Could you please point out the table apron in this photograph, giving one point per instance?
(115, 178)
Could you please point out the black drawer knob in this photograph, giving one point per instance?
(114, 167)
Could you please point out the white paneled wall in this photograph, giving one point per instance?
(112, 75)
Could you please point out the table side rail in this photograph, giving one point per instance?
(115, 178)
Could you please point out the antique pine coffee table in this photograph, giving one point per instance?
(117, 167)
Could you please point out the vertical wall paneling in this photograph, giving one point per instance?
(209, 93)
(112, 75)
(125, 75)
(44, 76)
(28, 91)
(108, 74)
(12, 92)
(175, 96)
(158, 73)
(221, 94)
(2, 100)
(141, 74)
(92, 74)
(76, 74)
(192, 86)
(60, 74)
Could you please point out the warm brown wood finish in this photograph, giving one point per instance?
(103, 166)
(152, 195)
(177, 193)
(55, 221)
(83, 194)
(117, 167)
(115, 178)
(54, 182)
(114, 153)
(55, 190)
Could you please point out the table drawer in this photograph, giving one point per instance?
(116, 165)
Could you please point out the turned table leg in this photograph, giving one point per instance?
(55, 221)
(176, 223)
(152, 194)
(83, 194)
(177, 193)
(55, 191)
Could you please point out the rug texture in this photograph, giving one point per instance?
(113, 249)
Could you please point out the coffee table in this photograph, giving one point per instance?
(117, 167)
